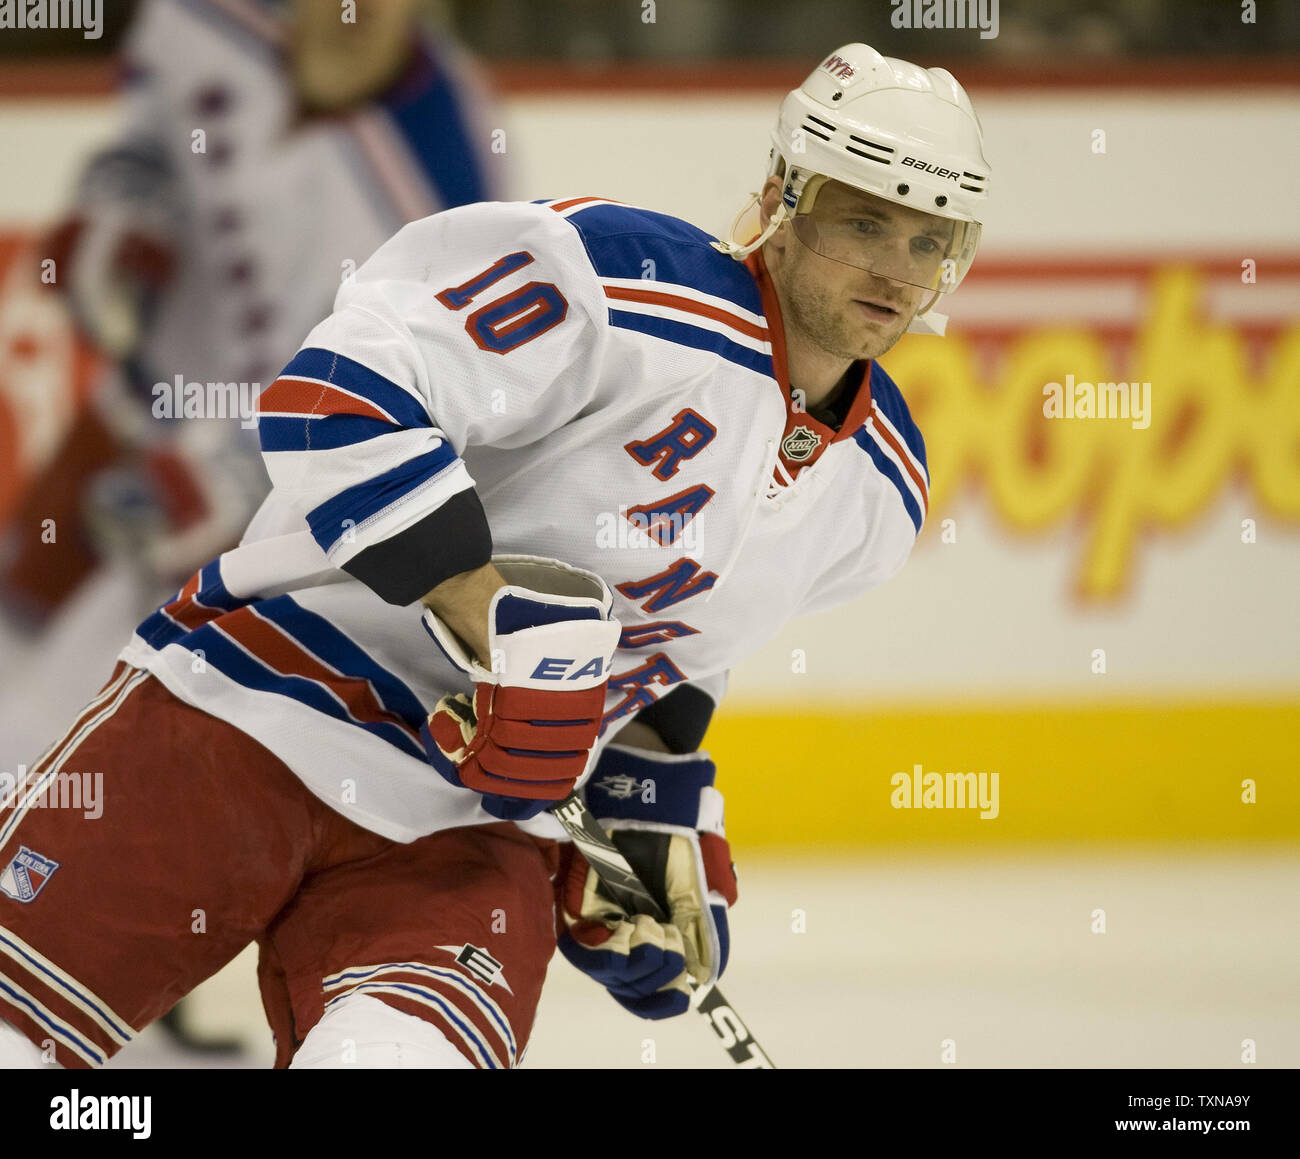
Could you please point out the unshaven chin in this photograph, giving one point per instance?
(825, 314)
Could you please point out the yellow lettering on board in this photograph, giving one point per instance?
(1208, 417)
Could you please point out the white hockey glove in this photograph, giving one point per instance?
(526, 737)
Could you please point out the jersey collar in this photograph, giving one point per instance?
(859, 410)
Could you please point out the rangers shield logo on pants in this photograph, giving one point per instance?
(25, 876)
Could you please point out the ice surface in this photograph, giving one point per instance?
(992, 951)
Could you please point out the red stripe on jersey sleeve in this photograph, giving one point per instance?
(295, 396)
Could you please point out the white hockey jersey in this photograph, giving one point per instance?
(613, 391)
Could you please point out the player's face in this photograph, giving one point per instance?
(842, 307)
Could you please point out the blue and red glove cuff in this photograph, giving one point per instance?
(655, 788)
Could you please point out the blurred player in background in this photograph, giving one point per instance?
(205, 257)
(268, 149)
(550, 468)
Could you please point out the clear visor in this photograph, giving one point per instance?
(918, 249)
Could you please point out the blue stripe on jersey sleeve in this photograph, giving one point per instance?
(621, 239)
(885, 465)
(889, 399)
(323, 639)
(358, 503)
(332, 367)
(323, 433)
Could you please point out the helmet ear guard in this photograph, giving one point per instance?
(740, 251)
(792, 194)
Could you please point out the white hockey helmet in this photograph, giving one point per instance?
(903, 133)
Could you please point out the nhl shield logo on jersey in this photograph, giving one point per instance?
(25, 876)
(800, 443)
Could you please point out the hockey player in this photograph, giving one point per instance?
(549, 470)
(267, 149)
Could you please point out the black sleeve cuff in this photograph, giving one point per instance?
(454, 539)
(681, 718)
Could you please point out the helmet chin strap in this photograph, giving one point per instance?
(741, 252)
(929, 323)
(800, 190)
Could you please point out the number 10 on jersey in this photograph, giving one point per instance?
(507, 322)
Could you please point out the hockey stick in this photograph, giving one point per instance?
(627, 890)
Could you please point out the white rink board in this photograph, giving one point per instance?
(698, 155)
